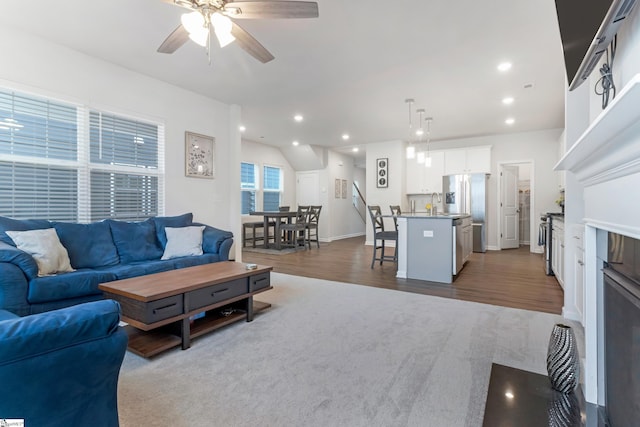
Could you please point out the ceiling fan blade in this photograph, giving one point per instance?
(251, 45)
(177, 38)
(271, 9)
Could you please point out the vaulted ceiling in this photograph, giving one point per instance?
(348, 71)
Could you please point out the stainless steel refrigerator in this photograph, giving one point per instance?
(467, 194)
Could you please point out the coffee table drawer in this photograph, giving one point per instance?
(157, 310)
(259, 281)
(216, 293)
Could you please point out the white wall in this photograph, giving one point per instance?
(394, 151)
(340, 219)
(266, 155)
(35, 65)
(539, 147)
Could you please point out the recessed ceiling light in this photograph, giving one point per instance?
(510, 121)
(354, 149)
(298, 117)
(508, 100)
(504, 66)
(242, 128)
(295, 143)
(509, 395)
(345, 136)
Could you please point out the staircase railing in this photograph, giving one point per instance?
(359, 203)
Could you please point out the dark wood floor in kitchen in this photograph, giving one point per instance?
(510, 278)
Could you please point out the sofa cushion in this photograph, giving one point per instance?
(57, 329)
(190, 261)
(10, 224)
(183, 241)
(125, 271)
(212, 238)
(135, 241)
(6, 315)
(45, 248)
(89, 245)
(170, 221)
(68, 285)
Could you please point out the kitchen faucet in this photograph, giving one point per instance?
(434, 209)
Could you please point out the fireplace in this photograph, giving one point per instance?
(621, 303)
(602, 181)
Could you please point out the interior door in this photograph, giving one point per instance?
(307, 188)
(509, 207)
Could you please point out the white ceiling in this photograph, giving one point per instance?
(349, 70)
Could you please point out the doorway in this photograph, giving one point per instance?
(515, 204)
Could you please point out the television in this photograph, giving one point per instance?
(587, 27)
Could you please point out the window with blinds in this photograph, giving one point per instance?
(272, 188)
(248, 187)
(53, 167)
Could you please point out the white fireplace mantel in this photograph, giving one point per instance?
(610, 147)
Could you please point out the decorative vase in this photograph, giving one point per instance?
(563, 410)
(563, 363)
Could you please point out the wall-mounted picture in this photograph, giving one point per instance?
(382, 173)
(338, 188)
(344, 188)
(199, 156)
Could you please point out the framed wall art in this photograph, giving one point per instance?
(344, 188)
(382, 173)
(199, 155)
(337, 190)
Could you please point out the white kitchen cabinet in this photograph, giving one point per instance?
(425, 180)
(467, 160)
(557, 250)
(467, 239)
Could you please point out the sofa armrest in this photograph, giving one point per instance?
(64, 362)
(225, 247)
(14, 287)
(213, 239)
(19, 258)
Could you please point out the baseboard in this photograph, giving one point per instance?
(346, 236)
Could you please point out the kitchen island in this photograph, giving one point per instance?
(433, 248)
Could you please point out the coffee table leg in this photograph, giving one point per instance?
(185, 332)
(250, 309)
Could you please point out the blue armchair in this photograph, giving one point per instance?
(60, 368)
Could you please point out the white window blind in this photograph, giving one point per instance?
(272, 188)
(53, 166)
(248, 187)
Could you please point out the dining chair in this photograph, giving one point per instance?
(312, 224)
(395, 211)
(296, 232)
(379, 234)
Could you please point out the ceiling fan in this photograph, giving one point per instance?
(219, 15)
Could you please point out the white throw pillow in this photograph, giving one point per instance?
(183, 241)
(45, 247)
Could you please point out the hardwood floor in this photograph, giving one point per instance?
(510, 278)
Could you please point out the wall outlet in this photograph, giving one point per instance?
(427, 233)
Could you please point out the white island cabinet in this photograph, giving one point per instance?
(432, 248)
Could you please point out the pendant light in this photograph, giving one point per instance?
(411, 149)
(427, 159)
(421, 156)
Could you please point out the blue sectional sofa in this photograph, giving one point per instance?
(61, 368)
(99, 252)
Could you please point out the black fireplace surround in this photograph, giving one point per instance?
(622, 331)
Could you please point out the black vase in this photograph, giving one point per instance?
(563, 362)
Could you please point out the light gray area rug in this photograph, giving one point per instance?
(336, 354)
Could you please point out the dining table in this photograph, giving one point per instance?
(277, 217)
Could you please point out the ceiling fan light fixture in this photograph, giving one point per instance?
(200, 37)
(222, 27)
(193, 22)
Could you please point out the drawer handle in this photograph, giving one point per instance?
(259, 280)
(156, 310)
(213, 294)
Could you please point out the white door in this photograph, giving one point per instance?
(509, 207)
(307, 188)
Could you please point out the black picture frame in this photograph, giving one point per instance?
(382, 173)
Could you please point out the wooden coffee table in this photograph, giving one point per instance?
(159, 308)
